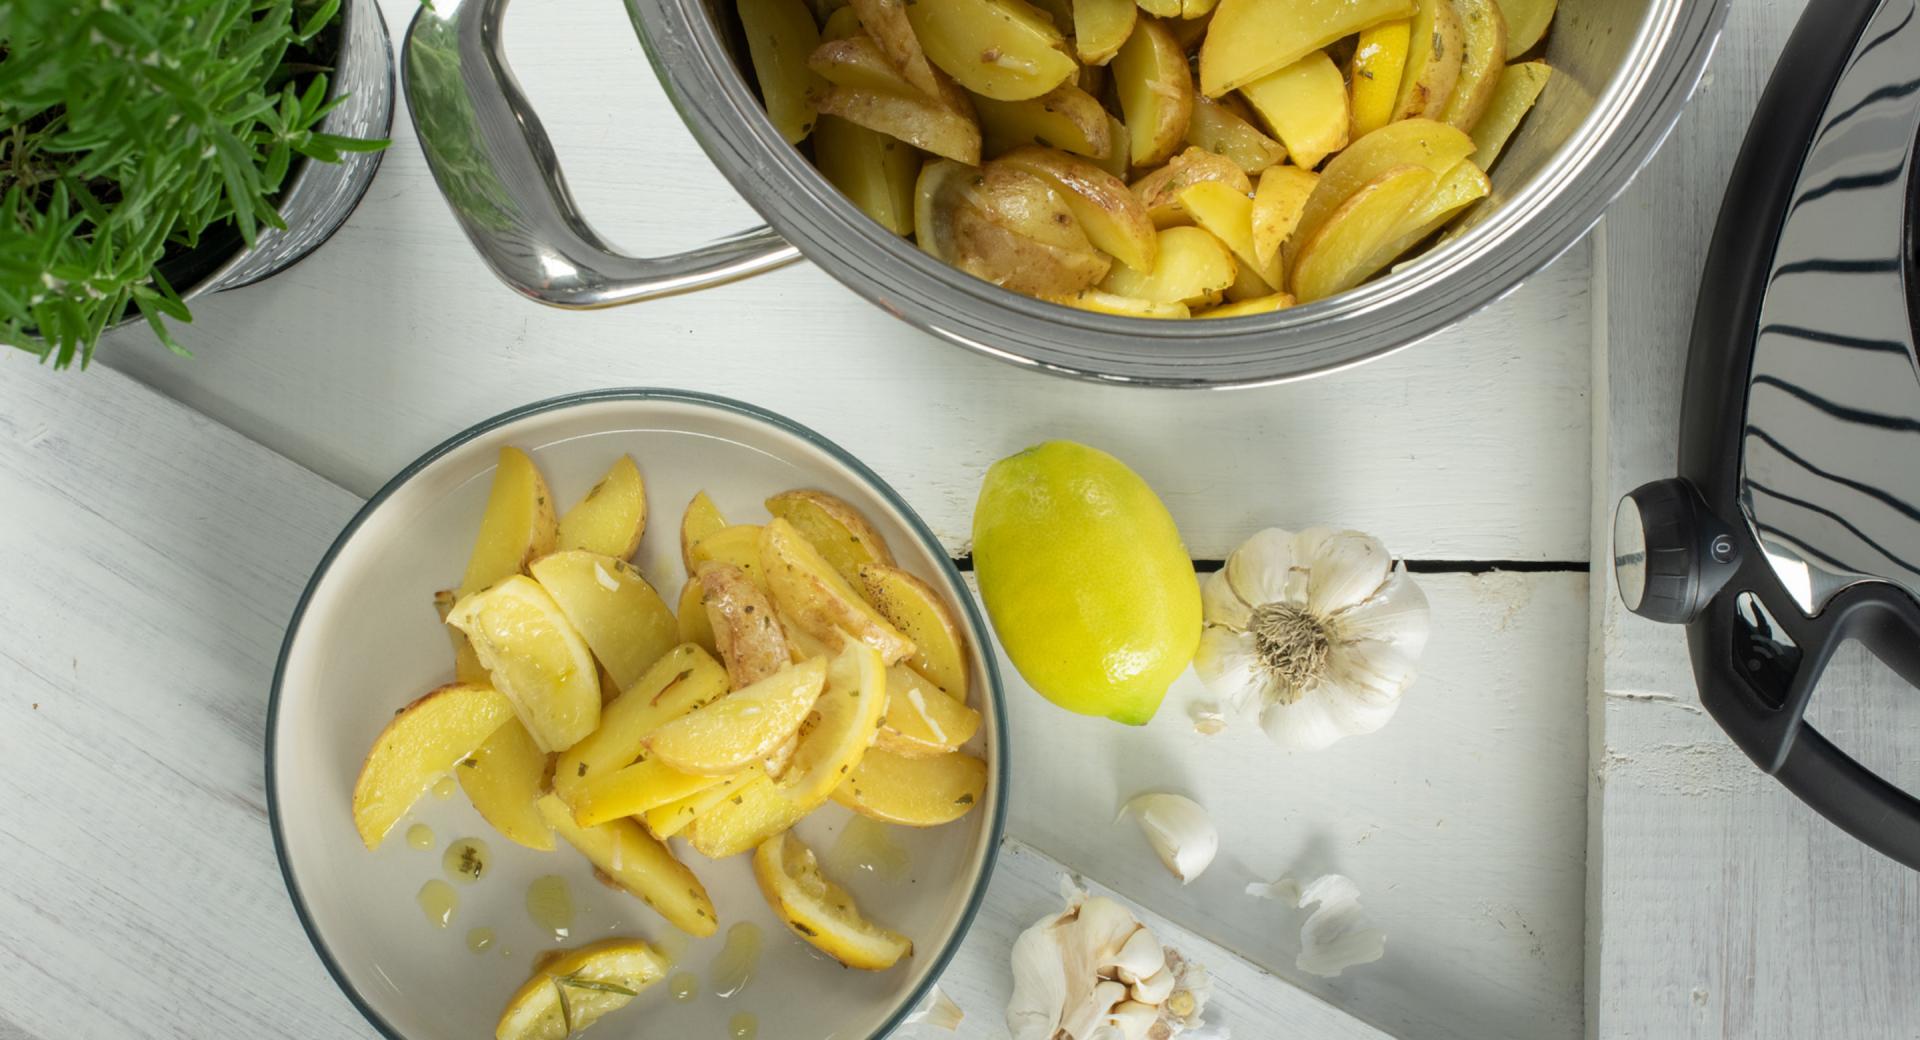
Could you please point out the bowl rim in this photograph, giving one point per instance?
(976, 624)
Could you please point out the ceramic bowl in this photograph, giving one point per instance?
(365, 640)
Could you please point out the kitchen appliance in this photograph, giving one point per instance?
(1794, 524)
(1623, 69)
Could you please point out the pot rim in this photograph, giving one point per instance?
(1563, 199)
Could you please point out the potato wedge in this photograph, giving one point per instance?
(1277, 206)
(612, 516)
(625, 623)
(1127, 307)
(780, 34)
(820, 911)
(839, 531)
(690, 615)
(1249, 307)
(843, 23)
(1421, 142)
(1247, 285)
(1220, 130)
(733, 732)
(1014, 230)
(808, 590)
(886, 21)
(535, 657)
(504, 778)
(1112, 217)
(1194, 10)
(1160, 190)
(1155, 88)
(1116, 160)
(1100, 27)
(1483, 57)
(1527, 22)
(1065, 117)
(518, 525)
(874, 171)
(668, 820)
(1434, 51)
(922, 615)
(1520, 85)
(639, 863)
(1059, 12)
(1305, 105)
(420, 744)
(751, 641)
(845, 719)
(1379, 63)
(1160, 8)
(466, 666)
(1342, 251)
(921, 719)
(576, 989)
(1228, 216)
(701, 519)
(1193, 268)
(684, 679)
(918, 120)
(738, 545)
(913, 792)
(1454, 191)
(632, 790)
(1250, 38)
(737, 823)
(1007, 50)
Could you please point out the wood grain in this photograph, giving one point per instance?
(394, 336)
(1720, 906)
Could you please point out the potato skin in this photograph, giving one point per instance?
(1015, 231)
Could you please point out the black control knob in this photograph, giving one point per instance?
(1670, 555)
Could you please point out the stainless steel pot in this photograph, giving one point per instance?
(1624, 69)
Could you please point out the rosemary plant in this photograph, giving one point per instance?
(130, 131)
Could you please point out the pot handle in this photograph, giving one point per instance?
(495, 166)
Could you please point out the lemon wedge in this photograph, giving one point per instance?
(573, 990)
(732, 733)
(848, 715)
(820, 911)
(535, 657)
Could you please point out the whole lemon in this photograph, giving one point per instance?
(1086, 580)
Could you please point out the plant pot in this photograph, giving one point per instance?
(318, 197)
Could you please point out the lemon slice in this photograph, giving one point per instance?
(535, 657)
(573, 990)
(820, 911)
(848, 715)
(732, 733)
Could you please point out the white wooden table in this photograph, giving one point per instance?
(158, 518)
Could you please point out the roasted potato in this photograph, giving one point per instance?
(1112, 217)
(638, 863)
(808, 590)
(1222, 131)
(612, 516)
(1006, 226)
(1482, 59)
(1192, 267)
(701, 519)
(1526, 21)
(1065, 117)
(1155, 88)
(1007, 50)
(1159, 191)
(1455, 190)
(864, 88)
(922, 615)
(1434, 51)
(1345, 248)
(1247, 307)
(1101, 302)
(780, 35)
(1305, 105)
(875, 171)
(517, 526)
(1520, 85)
(1250, 38)
(686, 678)
(1228, 216)
(1277, 205)
(625, 623)
(886, 21)
(745, 629)
(1100, 27)
(1418, 142)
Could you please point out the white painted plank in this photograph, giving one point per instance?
(1247, 999)
(1720, 905)
(148, 559)
(393, 336)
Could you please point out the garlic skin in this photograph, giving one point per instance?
(1094, 972)
(1338, 934)
(1316, 633)
(939, 1012)
(1180, 831)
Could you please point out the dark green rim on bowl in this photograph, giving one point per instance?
(975, 623)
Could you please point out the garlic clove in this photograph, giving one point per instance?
(1155, 988)
(1338, 934)
(1101, 932)
(1397, 613)
(1133, 1018)
(1207, 719)
(1306, 546)
(939, 1012)
(1039, 982)
(1180, 831)
(1220, 605)
(1308, 724)
(1229, 667)
(1081, 1020)
(1141, 957)
(1257, 571)
(1344, 570)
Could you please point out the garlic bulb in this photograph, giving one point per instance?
(1317, 632)
(1180, 831)
(1094, 972)
(1338, 934)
